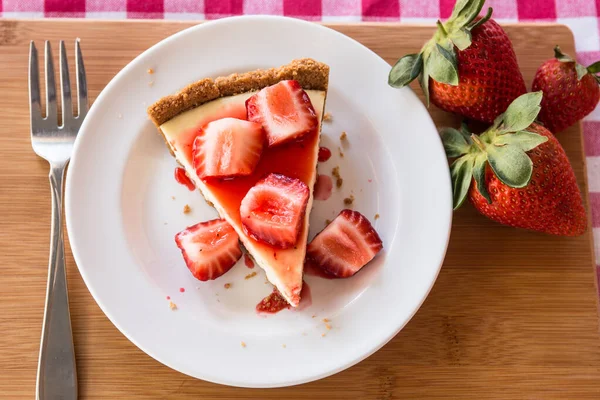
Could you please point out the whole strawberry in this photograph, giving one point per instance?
(570, 90)
(517, 173)
(469, 67)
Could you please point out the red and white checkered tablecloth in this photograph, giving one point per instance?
(582, 16)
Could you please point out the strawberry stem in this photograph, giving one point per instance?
(478, 142)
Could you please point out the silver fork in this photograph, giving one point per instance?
(56, 375)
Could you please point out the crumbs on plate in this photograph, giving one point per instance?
(150, 71)
(172, 306)
(343, 136)
(186, 209)
(250, 275)
(327, 117)
(243, 344)
(338, 178)
(227, 285)
(377, 216)
(348, 201)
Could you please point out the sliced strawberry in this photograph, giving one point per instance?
(227, 147)
(284, 110)
(273, 210)
(209, 248)
(346, 245)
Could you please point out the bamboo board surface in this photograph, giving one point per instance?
(513, 313)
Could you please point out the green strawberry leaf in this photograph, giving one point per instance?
(405, 70)
(461, 38)
(581, 71)
(464, 12)
(455, 143)
(479, 176)
(510, 164)
(562, 57)
(521, 112)
(424, 82)
(524, 140)
(464, 130)
(441, 64)
(461, 172)
(594, 68)
(482, 20)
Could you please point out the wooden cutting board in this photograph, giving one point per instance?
(513, 314)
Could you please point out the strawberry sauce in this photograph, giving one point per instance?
(183, 179)
(275, 302)
(323, 187)
(324, 154)
(248, 261)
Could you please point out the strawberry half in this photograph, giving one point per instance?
(284, 110)
(227, 147)
(346, 245)
(273, 210)
(209, 248)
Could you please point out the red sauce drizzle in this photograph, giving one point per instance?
(248, 261)
(182, 289)
(324, 154)
(168, 297)
(182, 178)
(323, 187)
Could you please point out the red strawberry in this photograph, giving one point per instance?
(469, 67)
(227, 147)
(284, 110)
(273, 210)
(346, 245)
(570, 90)
(209, 248)
(522, 176)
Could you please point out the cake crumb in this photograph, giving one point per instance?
(376, 216)
(172, 197)
(172, 306)
(266, 281)
(323, 335)
(210, 203)
(336, 174)
(227, 285)
(328, 326)
(314, 316)
(325, 320)
(186, 209)
(343, 136)
(341, 152)
(243, 344)
(349, 200)
(250, 275)
(284, 346)
(150, 71)
(151, 83)
(327, 117)
(327, 222)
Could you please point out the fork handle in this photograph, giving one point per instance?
(57, 375)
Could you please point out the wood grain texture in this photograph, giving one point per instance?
(512, 315)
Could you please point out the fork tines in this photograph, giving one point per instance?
(68, 119)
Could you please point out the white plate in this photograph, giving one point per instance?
(122, 219)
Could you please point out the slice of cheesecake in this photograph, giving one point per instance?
(288, 159)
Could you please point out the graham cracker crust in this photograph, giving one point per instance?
(311, 74)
